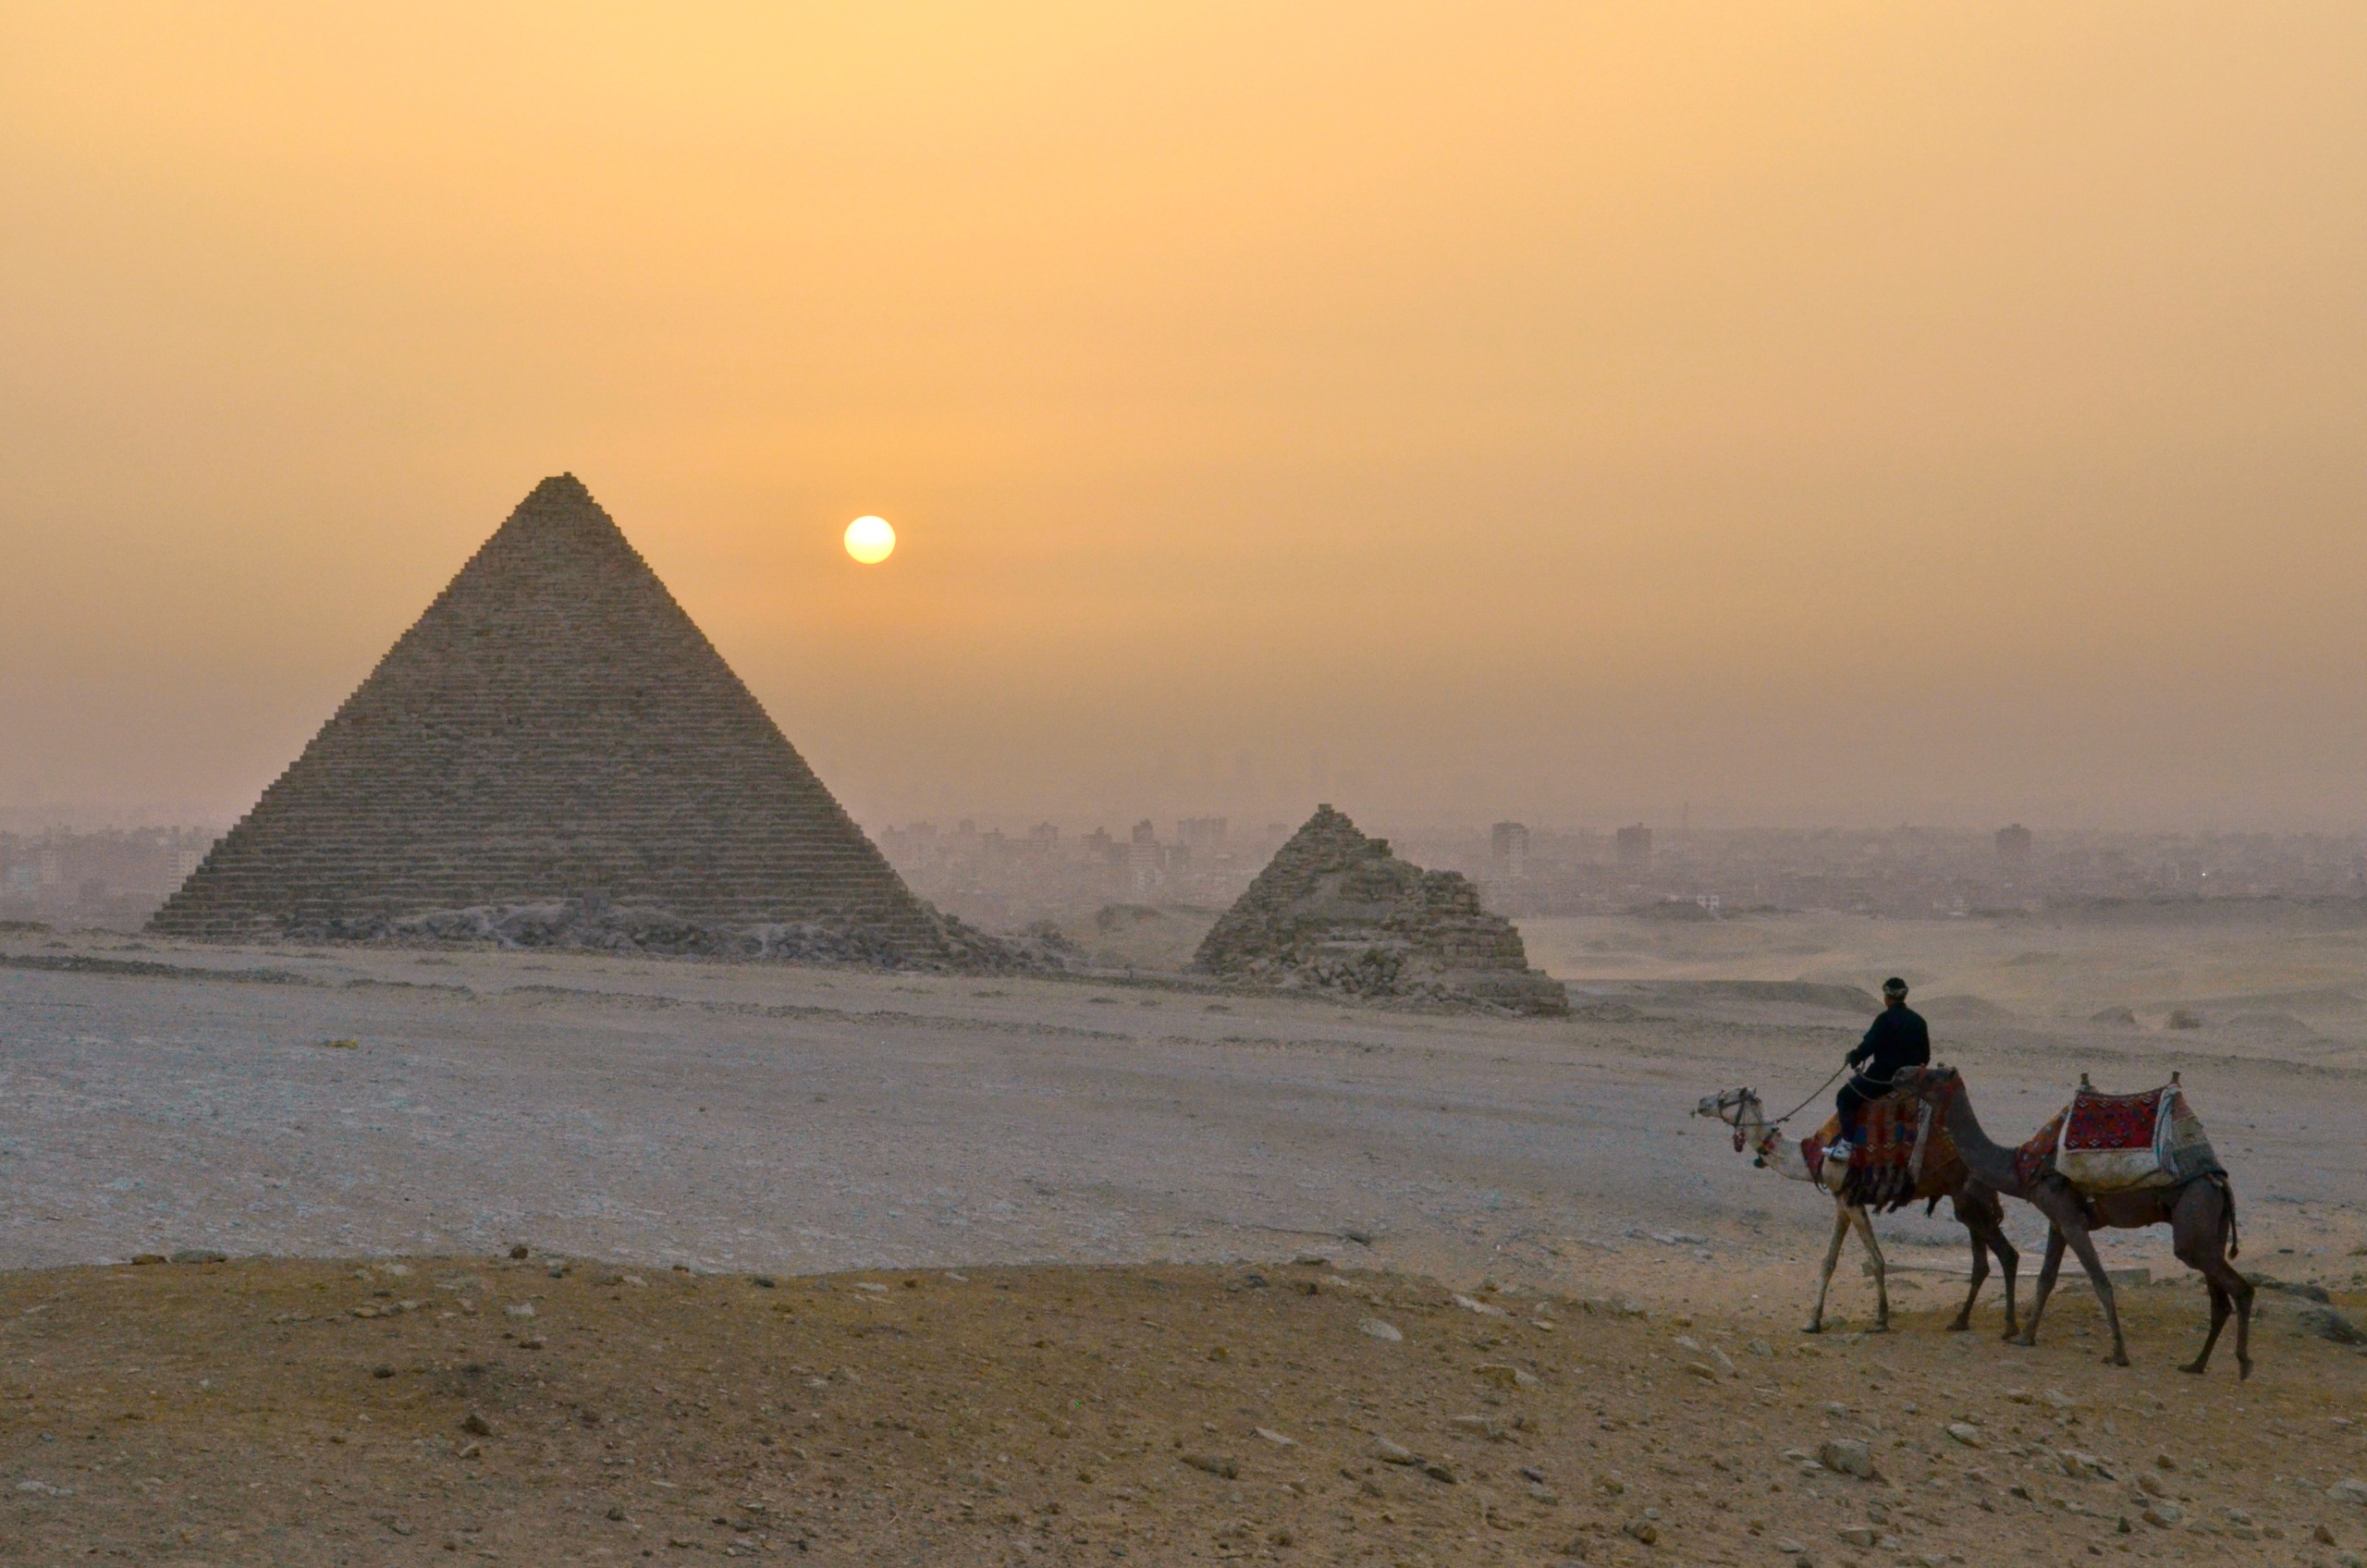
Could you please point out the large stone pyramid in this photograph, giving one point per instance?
(554, 735)
(1335, 911)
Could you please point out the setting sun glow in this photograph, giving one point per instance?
(870, 540)
(1167, 324)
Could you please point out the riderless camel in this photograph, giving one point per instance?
(2200, 1211)
(1976, 1207)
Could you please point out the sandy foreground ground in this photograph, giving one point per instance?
(621, 1118)
(542, 1410)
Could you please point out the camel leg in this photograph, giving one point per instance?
(2048, 1268)
(2085, 1245)
(1985, 1226)
(1980, 1276)
(2219, 1310)
(1832, 1257)
(2008, 1260)
(2199, 1234)
(2241, 1288)
(1865, 1224)
(1981, 1214)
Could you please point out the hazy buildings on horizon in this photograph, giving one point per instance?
(111, 876)
(1903, 872)
(997, 880)
(1007, 877)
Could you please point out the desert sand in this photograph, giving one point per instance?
(543, 1410)
(362, 1128)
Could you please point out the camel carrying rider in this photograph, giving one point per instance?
(1899, 1038)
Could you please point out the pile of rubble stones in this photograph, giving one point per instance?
(1336, 911)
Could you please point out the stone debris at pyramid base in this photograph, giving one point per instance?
(596, 924)
(1336, 913)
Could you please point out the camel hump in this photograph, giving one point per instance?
(2117, 1143)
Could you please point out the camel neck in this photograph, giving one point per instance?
(1782, 1155)
(1993, 1165)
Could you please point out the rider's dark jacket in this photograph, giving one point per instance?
(1899, 1038)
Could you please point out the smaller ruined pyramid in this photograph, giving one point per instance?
(555, 732)
(1334, 910)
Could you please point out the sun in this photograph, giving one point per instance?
(870, 540)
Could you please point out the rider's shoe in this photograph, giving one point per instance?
(1840, 1150)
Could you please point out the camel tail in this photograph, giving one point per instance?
(2234, 1237)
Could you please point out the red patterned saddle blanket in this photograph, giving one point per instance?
(2119, 1143)
(1900, 1141)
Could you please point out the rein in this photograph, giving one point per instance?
(1812, 1095)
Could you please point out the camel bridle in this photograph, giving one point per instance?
(1734, 1100)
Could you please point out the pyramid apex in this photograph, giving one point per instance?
(559, 489)
(561, 504)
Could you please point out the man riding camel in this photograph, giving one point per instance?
(1898, 1038)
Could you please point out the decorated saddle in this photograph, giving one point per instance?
(1900, 1142)
(2120, 1142)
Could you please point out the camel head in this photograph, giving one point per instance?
(1726, 1105)
(1733, 1107)
(1931, 1085)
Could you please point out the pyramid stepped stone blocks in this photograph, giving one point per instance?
(1336, 911)
(554, 752)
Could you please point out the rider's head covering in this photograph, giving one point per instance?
(1893, 986)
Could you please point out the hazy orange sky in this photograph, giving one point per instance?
(1827, 413)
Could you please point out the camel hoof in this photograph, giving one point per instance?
(1959, 1326)
(2027, 1341)
(2193, 1368)
(2245, 1371)
(2118, 1358)
(1812, 1328)
(1881, 1327)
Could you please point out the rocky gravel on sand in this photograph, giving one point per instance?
(272, 1412)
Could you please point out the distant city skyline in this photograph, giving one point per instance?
(1007, 877)
(31, 813)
